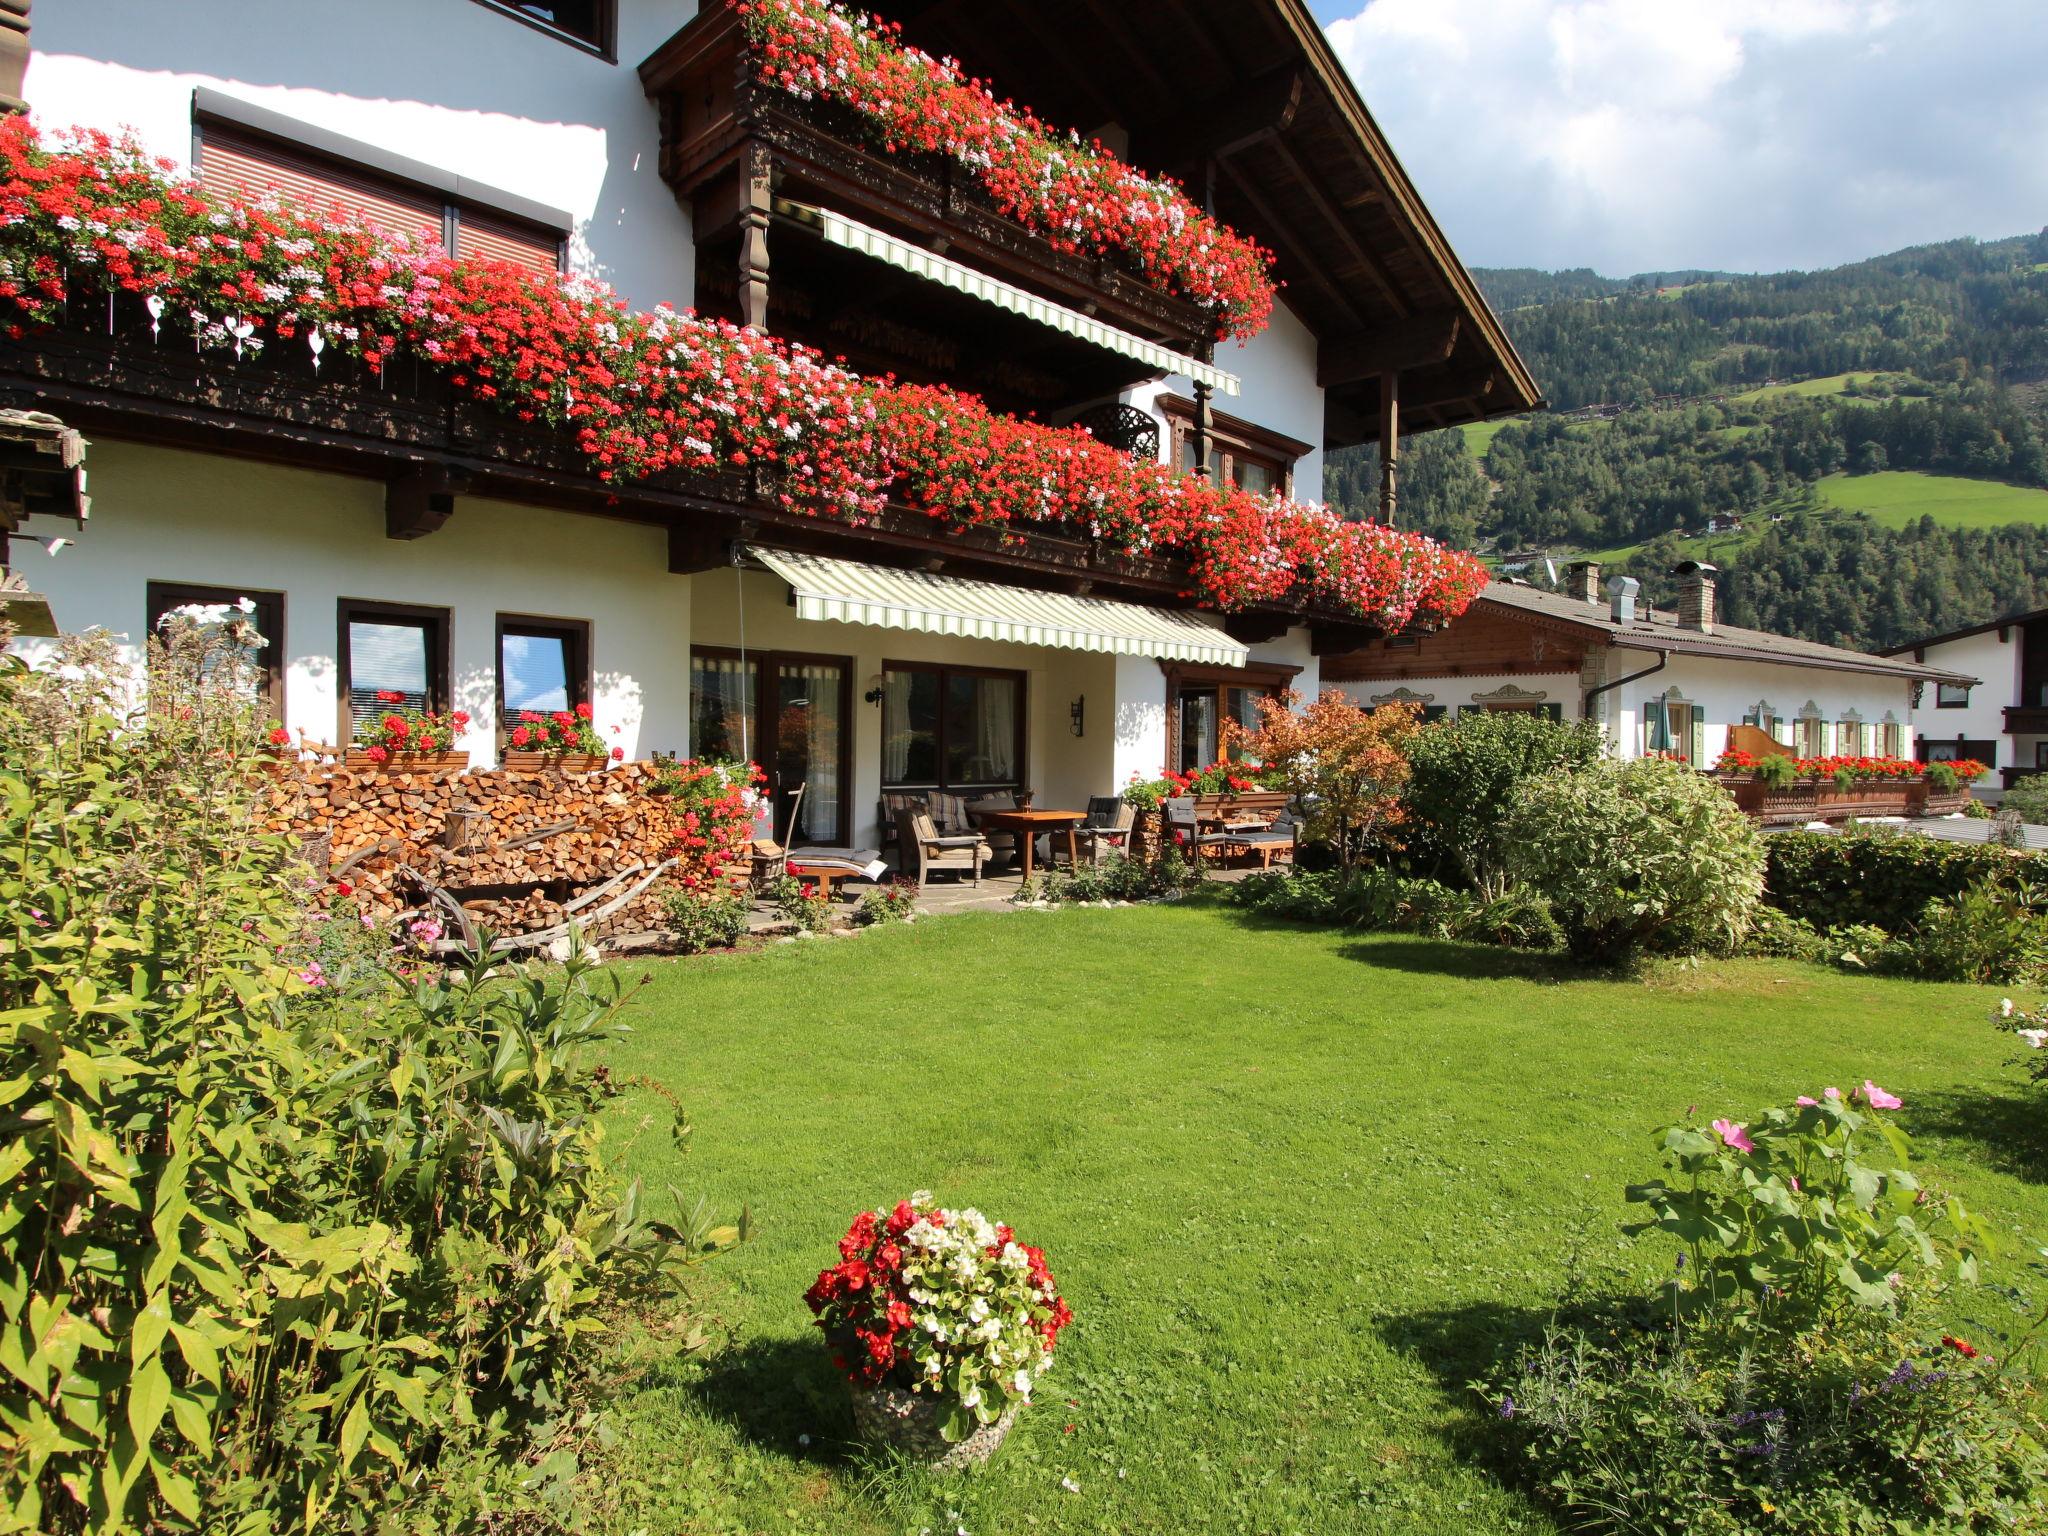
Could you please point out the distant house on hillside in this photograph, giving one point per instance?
(1514, 562)
(2003, 720)
(1670, 683)
(1724, 522)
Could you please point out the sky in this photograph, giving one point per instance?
(1739, 135)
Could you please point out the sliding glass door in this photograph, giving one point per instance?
(791, 714)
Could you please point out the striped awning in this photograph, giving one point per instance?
(851, 593)
(850, 235)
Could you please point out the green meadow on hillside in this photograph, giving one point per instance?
(1897, 498)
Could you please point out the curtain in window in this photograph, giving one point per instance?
(910, 727)
(810, 727)
(722, 707)
(981, 731)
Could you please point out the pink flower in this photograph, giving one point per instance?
(1833, 1093)
(1877, 1098)
(1805, 1103)
(1734, 1135)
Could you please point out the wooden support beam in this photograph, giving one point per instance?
(1328, 639)
(1414, 343)
(1390, 446)
(700, 543)
(1312, 188)
(1226, 125)
(1203, 437)
(1300, 265)
(1256, 628)
(1425, 394)
(756, 198)
(421, 500)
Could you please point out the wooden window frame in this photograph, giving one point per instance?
(1234, 438)
(946, 670)
(576, 657)
(1941, 696)
(1269, 678)
(159, 597)
(440, 652)
(762, 724)
(605, 46)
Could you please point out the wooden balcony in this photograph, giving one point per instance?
(2026, 720)
(1806, 800)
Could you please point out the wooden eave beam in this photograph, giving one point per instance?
(1303, 266)
(420, 501)
(1376, 269)
(1413, 343)
(1226, 125)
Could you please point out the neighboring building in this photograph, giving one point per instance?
(395, 535)
(2001, 720)
(1656, 682)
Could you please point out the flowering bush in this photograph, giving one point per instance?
(560, 732)
(2031, 1026)
(644, 394)
(713, 803)
(895, 902)
(1079, 196)
(394, 729)
(1342, 766)
(937, 1300)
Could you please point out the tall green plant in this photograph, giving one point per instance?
(273, 1256)
(1463, 775)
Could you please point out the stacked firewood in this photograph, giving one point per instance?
(514, 850)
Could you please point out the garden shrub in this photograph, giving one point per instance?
(1518, 918)
(895, 902)
(1780, 935)
(807, 906)
(699, 920)
(1463, 774)
(1115, 879)
(1376, 899)
(1983, 935)
(2028, 799)
(1636, 855)
(1832, 881)
(1801, 1369)
(287, 1244)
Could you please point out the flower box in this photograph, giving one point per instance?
(1823, 799)
(1247, 803)
(560, 762)
(360, 759)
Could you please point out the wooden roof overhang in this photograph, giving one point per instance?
(1246, 103)
(429, 444)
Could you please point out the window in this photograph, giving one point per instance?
(1951, 695)
(1849, 736)
(591, 24)
(1955, 751)
(722, 694)
(251, 163)
(390, 648)
(1891, 738)
(1810, 736)
(790, 713)
(951, 728)
(1239, 452)
(2040, 755)
(1674, 727)
(267, 661)
(1763, 717)
(543, 665)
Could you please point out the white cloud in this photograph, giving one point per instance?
(1636, 135)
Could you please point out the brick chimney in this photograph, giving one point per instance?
(1582, 580)
(1696, 596)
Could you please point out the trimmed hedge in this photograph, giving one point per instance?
(1835, 881)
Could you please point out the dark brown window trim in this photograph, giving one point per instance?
(581, 676)
(1268, 677)
(944, 670)
(440, 652)
(161, 596)
(1235, 437)
(604, 46)
(763, 725)
(1942, 703)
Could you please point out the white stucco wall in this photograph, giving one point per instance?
(448, 82)
(164, 515)
(1456, 693)
(1997, 662)
(1727, 690)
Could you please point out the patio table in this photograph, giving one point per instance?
(1028, 824)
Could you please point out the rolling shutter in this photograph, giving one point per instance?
(247, 167)
(492, 237)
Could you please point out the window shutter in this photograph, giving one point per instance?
(491, 237)
(1699, 739)
(246, 167)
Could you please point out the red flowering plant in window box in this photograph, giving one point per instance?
(942, 1321)
(560, 738)
(91, 219)
(1079, 196)
(394, 735)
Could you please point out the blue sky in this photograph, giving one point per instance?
(1750, 135)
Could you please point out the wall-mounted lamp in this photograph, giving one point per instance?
(874, 695)
(1075, 712)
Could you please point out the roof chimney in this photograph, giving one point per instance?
(1624, 589)
(1696, 596)
(1582, 580)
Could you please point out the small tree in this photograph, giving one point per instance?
(1464, 776)
(1345, 767)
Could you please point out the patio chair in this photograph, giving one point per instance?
(1182, 827)
(1108, 827)
(1275, 842)
(921, 848)
(1002, 845)
(771, 857)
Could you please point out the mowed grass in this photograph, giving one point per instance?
(1299, 1186)
(1479, 435)
(1834, 384)
(1897, 498)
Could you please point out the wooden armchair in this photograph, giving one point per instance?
(1108, 827)
(921, 850)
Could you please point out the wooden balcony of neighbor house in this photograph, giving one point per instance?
(2026, 719)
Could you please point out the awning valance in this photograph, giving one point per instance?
(851, 593)
(853, 236)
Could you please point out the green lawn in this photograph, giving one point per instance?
(1297, 1186)
(1896, 498)
(1833, 384)
(1479, 435)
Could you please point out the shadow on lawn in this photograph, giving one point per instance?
(2006, 1124)
(1483, 962)
(774, 1390)
(1459, 1346)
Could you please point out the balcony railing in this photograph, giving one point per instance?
(2026, 719)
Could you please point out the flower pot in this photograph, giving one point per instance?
(407, 762)
(909, 1422)
(562, 762)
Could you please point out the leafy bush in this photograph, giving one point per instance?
(1777, 771)
(1793, 1378)
(287, 1242)
(1833, 881)
(1377, 899)
(895, 902)
(1781, 936)
(1114, 879)
(705, 919)
(1463, 775)
(1983, 935)
(1633, 855)
(1518, 918)
(807, 906)
(2029, 800)
(2031, 1026)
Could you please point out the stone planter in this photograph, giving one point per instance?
(909, 1422)
(1145, 835)
(561, 762)
(407, 762)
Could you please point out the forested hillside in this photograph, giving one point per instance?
(1672, 416)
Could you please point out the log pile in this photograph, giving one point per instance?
(518, 852)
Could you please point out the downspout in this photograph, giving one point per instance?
(1586, 701)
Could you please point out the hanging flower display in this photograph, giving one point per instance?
(659, 392)
(1078, 195)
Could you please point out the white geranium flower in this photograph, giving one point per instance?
(2037, 1038)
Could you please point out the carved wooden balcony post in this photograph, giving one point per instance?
(756, 201)
(13, 53)
(1390, 445)
(1204, 435)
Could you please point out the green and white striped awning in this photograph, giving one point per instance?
(848, 234)
(850, 593)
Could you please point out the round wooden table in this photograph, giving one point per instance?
(1028, 824)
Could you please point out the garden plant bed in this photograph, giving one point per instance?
(1277, 1312)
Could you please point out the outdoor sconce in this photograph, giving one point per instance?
(874, 694)
(1074, 712)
